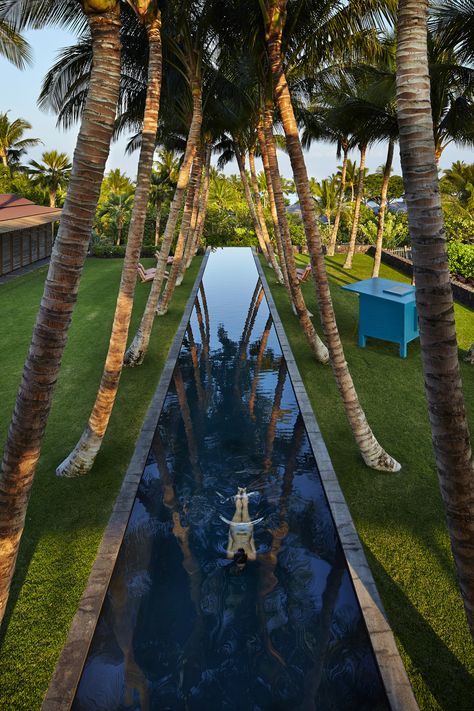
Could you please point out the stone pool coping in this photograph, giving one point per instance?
(63, 685)
(394, 676)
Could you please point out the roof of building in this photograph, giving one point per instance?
(18, 213)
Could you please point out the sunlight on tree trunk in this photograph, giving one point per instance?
(358, 202)
(261, 216)
(180, 250)
(372, 453)
(248, 196)
(340, 205)
(296, 295)
(383, 206)
(273, 208)
(82, 457)
(40, 373)
(434, 297)
(139, 346)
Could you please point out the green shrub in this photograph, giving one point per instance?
(105, 250)
(461, 259)
(459, 227)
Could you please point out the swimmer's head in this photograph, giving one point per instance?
(240, 558)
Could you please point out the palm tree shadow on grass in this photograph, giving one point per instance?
(417, 636)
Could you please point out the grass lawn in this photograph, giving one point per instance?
(66, 518)
(399, 517)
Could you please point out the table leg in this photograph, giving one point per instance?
(403, 350)
(361, 340)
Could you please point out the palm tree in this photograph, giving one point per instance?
(274, 13)
(163, 182)
(13, 46)
(188, 53)
(325, 194)
(12, 143)
(117, 209)
(449, 427)
(23, 445)
(82, 457)
(52, 174)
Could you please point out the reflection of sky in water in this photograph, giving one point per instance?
(181, 627)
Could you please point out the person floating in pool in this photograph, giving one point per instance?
(241, 528)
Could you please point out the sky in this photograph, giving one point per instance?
(20, 90)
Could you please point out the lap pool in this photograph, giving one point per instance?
(186, 624)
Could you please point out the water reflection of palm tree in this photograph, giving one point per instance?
(268, 561)
(275, 414)
(193, 650)
(195, 362)
(258, 365)
(255, 302)
(314, 675)
(188, 425)
(205, 336)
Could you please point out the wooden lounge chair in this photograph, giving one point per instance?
(147, 274)
(304, 274)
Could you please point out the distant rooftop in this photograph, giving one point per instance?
(18, 213)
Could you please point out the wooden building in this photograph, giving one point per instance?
(26, 232)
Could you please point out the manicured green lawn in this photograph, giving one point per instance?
(399, 517)
(66, 518)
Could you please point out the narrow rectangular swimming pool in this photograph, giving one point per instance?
(231, 589)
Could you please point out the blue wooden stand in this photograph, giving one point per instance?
(387, 310)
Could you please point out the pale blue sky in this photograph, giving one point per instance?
(20, 90)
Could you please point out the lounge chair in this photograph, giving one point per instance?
(147, 274)
(168, 261)
(304, 274)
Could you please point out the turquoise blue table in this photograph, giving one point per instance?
(387, 310)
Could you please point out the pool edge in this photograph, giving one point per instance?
(68, 670)
(392, 670)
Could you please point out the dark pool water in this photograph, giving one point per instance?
(183, 627)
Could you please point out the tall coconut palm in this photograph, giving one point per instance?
(52, 173)
(434, 299)
(269, 154)
(82, 457)
(12, 143)
(41, 369)
(184, 234)
(188, 53)
(274, 13)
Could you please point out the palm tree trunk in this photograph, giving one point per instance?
(383, 206)
(180, 250)
(41, 369)
(52, 197)
(139, 346)
(261, 216)
(340, 205)
(434, 298)
(190, 241)
(119, 231)
(250, 203)
(296, 295)
(372, 453)
(157, 222)
(273, 209)
(201, 218)
(358, 201)
(82, 457)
